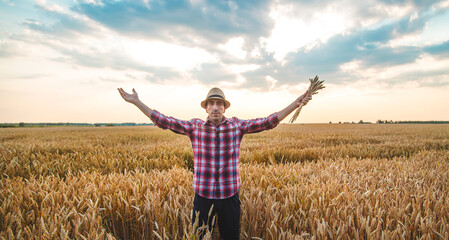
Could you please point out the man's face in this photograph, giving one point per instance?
(215, 109)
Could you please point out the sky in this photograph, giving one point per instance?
(62, 61)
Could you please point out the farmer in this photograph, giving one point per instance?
(216, 146)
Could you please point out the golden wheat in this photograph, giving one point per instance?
(298, 182)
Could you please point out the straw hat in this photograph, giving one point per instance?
(215, 93)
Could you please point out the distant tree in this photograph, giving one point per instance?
(21, 124)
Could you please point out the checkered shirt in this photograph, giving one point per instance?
(216, 150)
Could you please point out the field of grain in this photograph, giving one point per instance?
(298, 182)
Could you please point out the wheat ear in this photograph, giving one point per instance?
(315, 85)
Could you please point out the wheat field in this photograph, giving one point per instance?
(323, 181)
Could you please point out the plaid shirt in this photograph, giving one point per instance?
(216, 150)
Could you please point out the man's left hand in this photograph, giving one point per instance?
(304, 99)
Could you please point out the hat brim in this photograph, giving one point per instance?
(227, 103)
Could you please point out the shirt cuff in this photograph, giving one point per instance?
(273, 119)
(155, 116)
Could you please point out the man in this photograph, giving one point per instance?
(216, 146)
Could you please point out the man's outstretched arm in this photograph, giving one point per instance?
(134, 99)
(304, 99)
(160, 120)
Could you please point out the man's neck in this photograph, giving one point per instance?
(216, 123)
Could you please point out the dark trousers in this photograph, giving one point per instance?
(228, 214)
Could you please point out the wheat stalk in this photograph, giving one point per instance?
(303, 186)
(314, 86)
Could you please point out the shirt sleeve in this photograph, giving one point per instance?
(259, 124)
(178, 126)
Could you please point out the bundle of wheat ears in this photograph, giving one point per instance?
(315, 85)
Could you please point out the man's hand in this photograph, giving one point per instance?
(304, 99)
(131, 98)
(134, 99)
(301, 100)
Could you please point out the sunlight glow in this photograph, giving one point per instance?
(291, 34)
(167, 55)
(235, 47)
(243, 68)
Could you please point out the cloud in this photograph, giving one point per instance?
(288, 41)
(7, 49)
(119, 61)
(368, 46)
(213, 73)
(438, 49)
(182, 21)
(61, 23)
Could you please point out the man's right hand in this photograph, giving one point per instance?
(131, 98)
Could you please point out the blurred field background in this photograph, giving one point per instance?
(323, 181)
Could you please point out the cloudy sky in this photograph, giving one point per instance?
(62, 61)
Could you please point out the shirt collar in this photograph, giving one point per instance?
(209, 122)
